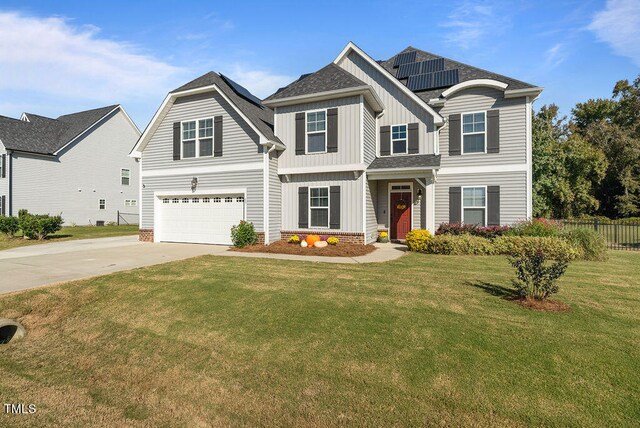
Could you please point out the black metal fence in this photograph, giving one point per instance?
(128, 218)
(619, 234)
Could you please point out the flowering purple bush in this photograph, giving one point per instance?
(472, 229)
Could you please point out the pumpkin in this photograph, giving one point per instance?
(312, 239)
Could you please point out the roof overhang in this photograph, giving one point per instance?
(484, 83)
(351, 47)
(168, 102)
(369, 94)
(401, 173)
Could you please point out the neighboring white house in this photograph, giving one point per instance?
(357, 147)
(76, 165)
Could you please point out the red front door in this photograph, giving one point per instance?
(400, 213)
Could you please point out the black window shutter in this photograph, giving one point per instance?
(493, 131)
(176, 140)
(493, 205)
(455, 136)
(4, 208)
(4, 167)
(385, 140)
(217, 136)
(414, 138)
(455, 205)
(300, 133)
(303, 207)
(332, 130)
(334, 202)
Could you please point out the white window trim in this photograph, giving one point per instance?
(462, 133)
(197, 138)
(406, 139)
(122, 170)
(328, 207)
(390, 190)
(486, 200)
(100, 204)
(306, 132)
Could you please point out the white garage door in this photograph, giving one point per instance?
(202, 219)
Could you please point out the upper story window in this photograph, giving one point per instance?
(474, 205)
(398, 139)
(474, 133)
(319, 206)
(317, 132)
(125, 176)
(197, 138)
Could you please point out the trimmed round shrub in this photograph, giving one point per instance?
(459, 245)
(39, 226)
(417, 240)
(9, 226)
(243, 235)
(552, 247)
(589, 243)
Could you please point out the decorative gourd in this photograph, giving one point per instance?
(312, 239)
(304, 244)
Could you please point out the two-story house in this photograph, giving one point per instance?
(357, 147)
(76, 165)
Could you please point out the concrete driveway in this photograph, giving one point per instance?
(33, 266)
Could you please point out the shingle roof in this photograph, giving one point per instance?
(405, 161)
(466, 72)
(260, 115)
(45, 135)
(329, 78)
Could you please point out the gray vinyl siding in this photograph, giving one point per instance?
(418, 211)
(4, 182)
(369, 140)
(399, 107)
(371, 194)
(240, 142)
(89, 170)
(513, 191)
(350, 200)
(513, 137)
(349, 141)
(275, 198)
(251, 180)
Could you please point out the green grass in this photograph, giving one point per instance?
(421, 341)
(70, 233)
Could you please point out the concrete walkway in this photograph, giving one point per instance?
(33, 266)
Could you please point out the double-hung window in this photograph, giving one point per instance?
(319, 206)
(474, 132)
(102, 204)
(197, 138)
(474, 205)
(398, 139)
(125, 176)
(317, 132)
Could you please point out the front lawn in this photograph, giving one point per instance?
(70, 233)
(421, 341)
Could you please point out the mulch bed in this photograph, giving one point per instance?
(283, 247)
(542, 305)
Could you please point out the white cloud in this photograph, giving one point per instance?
(555, 55)
(258, 82)
(618, 26)
(470, 23)
(52, 57)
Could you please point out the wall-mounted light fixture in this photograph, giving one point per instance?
(419, 195)
(194, 183)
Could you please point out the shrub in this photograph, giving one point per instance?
(295, 239)
(459, 245)
(472, 229)
(536, 227)
(243, 235)
(589, 243)
(333, 241)
(383, 237)
(553, 247)
(39, 226)
(417, 240)
(9, 226)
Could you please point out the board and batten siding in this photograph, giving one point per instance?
(369, 138)
(85, 172)
(399, 107)
(275, 198)
(513, 191)
(251, 180)
(349, 151)
(513, 128)
(351, 214)
(371, 195)
(240, 142)
(4, 182)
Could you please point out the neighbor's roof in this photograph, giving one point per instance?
(260, 115)
(328, 78)
(466, 72)
(405, 161)
(44, 135)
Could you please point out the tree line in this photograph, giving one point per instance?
(589, 164)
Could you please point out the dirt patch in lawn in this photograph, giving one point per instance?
(283, 247)
(542, 305)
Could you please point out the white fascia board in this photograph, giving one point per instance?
(395, 174)
(483, 169)
(437, 119)
(208, 169)
(80, 135)
(526, 92)
(198, 192)
(372, 98)
(385, 170)
(323, 169)
(490, 83)
(130, 121)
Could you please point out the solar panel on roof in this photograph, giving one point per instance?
(445, 78)
(429, 66)
(404, 58)
(242, 91)
(419, 82)
(438, 79)
(432, 65)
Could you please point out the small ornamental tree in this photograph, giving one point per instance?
(243, 235)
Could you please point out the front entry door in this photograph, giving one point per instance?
(400, 213)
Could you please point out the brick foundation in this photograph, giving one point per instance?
(145, 235)
(349, 237)
(260, 238)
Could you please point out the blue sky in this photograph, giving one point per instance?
(59, 57)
